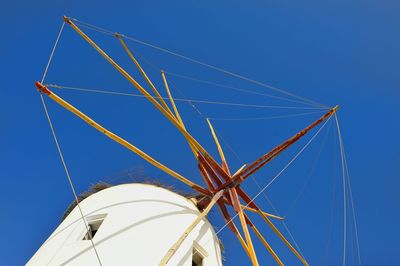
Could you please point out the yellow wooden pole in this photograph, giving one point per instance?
(220, 151)
(190, 228)
(117, 138)
(253, 256)
(230, 222)
(265, 243)
(241, 240)
(287, 243)
(239, 170)
(158, 95)
(239, 210)
(265, 213)
(170, 117)
(177, 115)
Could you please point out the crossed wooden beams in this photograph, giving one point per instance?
(223, 188)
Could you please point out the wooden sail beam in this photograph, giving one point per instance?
(189, 229)
(245, 207)
(240, 169)
(209, 169)
(233, 227)
(168, 115)
(43, 89)
(256, 165)
(221, 172)
(177, 115)
(253, 206)
(263, 241)
(280, 235)
(247, 199)
(143, 73)
(265, 213)
(239, 211)
(171, 99)
(210, 174)
(206, 177)
(220, 151)
(265, 217)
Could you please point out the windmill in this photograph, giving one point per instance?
(222, 183)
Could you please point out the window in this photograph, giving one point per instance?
(197, 259)
(199, 253)
(94, 224)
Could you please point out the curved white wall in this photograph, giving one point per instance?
(142, 222)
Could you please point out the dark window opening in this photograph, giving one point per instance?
(197, 258)
(93, 228)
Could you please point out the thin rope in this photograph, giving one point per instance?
(283, 221)
(108, 32)
(52, 52)
(222, 70)
(190, 102)
(307, 180)
(351, 201)
(69, 177)
(183, 100)
(93, 27)
(351, 230)
(172, 84)
(58, 146)
(333, 198)
(263, 117)
(157, 68)
(234, 88)
(344, 192)
(353, 212)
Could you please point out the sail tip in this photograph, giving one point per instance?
(42, 88)
(335, 108)
(67, 19)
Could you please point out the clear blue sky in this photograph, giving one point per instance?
(335, 52)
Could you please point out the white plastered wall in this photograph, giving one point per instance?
(141, 223)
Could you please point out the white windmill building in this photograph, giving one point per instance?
(131, 224)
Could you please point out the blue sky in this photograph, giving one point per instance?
(334, 52)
